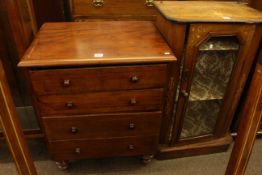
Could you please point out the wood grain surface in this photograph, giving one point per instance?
(107, 42)
(102, 125)
(110, 78)
(12, 130)
(203, 11)
(101, 102)
(113, 9)
(110, 147)
(249, 124)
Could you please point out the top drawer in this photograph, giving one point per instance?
(67, 81)
(133, 9)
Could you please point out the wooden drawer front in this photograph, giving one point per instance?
(66, 81)
(102, 126)
(127, 146)
(112, 8)
(101, 102)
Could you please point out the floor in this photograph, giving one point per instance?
(213, 164)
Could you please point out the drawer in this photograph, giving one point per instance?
(112, 9)
(79, 149)
(66, 81)
(102, 126)
(101, 102)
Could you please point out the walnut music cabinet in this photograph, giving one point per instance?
(215, 44)
(100, 88)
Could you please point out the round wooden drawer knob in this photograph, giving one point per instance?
(134, 79)
(66, 83)
(77, 151)
(131, 126)
(74, 130)
(70, 104)
(133, 101)
(131, 147)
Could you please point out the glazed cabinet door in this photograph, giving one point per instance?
(214, 70)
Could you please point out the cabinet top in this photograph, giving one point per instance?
(95, 43)
(203, 11)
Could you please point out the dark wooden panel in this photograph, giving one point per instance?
(101, 102)
(244, 1)
(102, 126)
(14, 41)
(257, 4)
(249, 123)
(48, 11)
(28, 18)
(126, 146)
(12, 24)
(114, 9)
(65, 81)
(17, 35)
(10, 74)
(174, 34)
(235, 123)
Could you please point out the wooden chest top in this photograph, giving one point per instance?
(203, 11)
(94, 43)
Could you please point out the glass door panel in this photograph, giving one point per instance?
(211, 76)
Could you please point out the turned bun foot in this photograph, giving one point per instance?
(146, 159)
(62, 165)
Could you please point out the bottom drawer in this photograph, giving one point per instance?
(80, 149)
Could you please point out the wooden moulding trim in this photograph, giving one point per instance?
(17, 136)
(13, 132)
(207, 147)
(249, 124)
(72, 62)
(32, 15)
(106, 17)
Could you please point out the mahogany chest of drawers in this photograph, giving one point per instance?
(100, 88)
(112, 9)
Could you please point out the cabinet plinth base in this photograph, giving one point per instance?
(200, 148)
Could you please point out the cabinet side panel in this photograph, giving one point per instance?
(174, 34)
